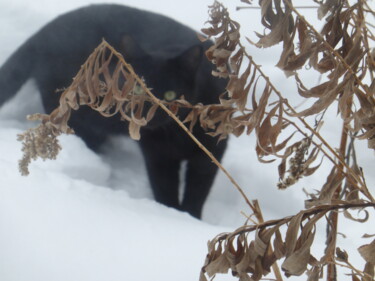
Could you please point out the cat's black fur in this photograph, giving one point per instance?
(167, 54)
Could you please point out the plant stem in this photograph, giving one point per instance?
(334, 216)
(182, 125)
(306, 214)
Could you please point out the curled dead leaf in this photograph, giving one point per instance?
(368, 252)
(296, 262)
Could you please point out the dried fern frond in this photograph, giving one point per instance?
(107, 84)
(251, 259)
(268, 107)
(341, 53)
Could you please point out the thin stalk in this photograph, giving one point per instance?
(331, 246)
(182, 125)
(306, 214)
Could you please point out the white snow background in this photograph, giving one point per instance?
(88, 217)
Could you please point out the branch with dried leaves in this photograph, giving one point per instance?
(228, 54)
(108, 84)
(251, 259)
(341, 53)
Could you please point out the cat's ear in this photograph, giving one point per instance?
(191, 58)
(130, 49)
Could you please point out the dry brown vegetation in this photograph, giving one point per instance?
(342, 52)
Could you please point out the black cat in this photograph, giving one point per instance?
(170, 58)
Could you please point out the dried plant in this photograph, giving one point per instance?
(341, 52)
(235, 251)
(39, 142)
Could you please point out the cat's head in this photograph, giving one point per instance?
(170, 74)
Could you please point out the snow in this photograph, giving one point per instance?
(91, 217)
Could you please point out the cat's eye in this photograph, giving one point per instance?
(138, 90)
(170, 95)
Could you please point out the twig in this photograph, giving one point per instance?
(257, 7)
(306, 213)
(182, 125)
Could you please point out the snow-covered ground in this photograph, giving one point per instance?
(88, 217)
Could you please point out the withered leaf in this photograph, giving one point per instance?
(260, 247)
(369, 272)
(234, 254)
(296, 262)
(333, 181)
(325, 6)
(202, 276)
(326, 99)
(368, 252)
(243, 265)
(244, 277)
(292, 233)
(236, 61)
(341, 255)
(348, 215)
(355, 278)
(134, 130)
(258, 113)
(219, 265)
(314, 274)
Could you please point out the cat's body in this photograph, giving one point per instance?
(169, 57)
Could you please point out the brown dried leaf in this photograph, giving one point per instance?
(279, 24)
(292, 233)
(134, 130)
(219, 265)
(332, 30)
(367, 105)
(236, 88)
(267, 133)
(341, 255)
(260, 246)
(296, 262)
(355, 278)
(258, 112)
(235, 61)
(202, 276)
(234, 254)
(369, 272)
(311, 159)
(151, 112)
(326, 99)
(279, 245)
(325, 7)
(289, 60)
(333, 181)
(348, 215)
(315, 92)
(368, 252)
(244, 277)
(314, 274)
(247, 259)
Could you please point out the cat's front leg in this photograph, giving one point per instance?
(163, 172)
(200, 175)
